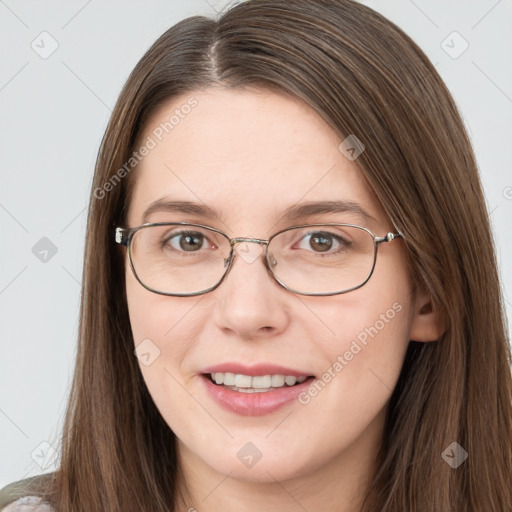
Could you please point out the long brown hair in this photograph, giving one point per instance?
(365, 77)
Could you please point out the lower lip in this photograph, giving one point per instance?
(254, 404)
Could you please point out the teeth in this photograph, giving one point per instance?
(229, 379)
(243, 381)
(290, 380)
(278, 381)
(265, 381)
(250, 384)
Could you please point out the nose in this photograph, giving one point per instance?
(250, 303)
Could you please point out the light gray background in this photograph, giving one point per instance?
(53, 115)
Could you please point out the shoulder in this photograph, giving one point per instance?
(23, 495)
(28, 504)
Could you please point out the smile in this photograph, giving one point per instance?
(254, 384)
(254, 395)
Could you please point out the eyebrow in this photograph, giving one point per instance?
(292, 213)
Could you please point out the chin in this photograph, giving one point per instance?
(247, 463)
(262, 472)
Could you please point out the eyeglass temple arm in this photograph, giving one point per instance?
(120, 236)
(390, 236)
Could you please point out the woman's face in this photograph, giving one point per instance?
(249, 156)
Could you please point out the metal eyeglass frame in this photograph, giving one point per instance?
(123, 236)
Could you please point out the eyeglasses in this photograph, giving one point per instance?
(184, 259)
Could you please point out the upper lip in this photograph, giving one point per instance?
(255, 370)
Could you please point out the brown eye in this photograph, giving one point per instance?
(322, 241)
(187, 241)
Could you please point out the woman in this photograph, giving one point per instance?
(241, 344)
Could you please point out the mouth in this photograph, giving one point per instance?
(254, 395)
(255, 383)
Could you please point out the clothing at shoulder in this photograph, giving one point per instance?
(28, 504)
(23, 495)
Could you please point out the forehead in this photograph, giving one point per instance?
(248, 154)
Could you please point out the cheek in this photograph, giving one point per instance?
(165, 327)
(144, 320)
(164, 330)
(349, 399)
(155, 316)
(364, 352)
(366, 342)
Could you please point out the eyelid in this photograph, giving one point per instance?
(331, 230)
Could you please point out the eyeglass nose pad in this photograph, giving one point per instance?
(272, 262)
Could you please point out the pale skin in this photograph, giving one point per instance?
(249, 155)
